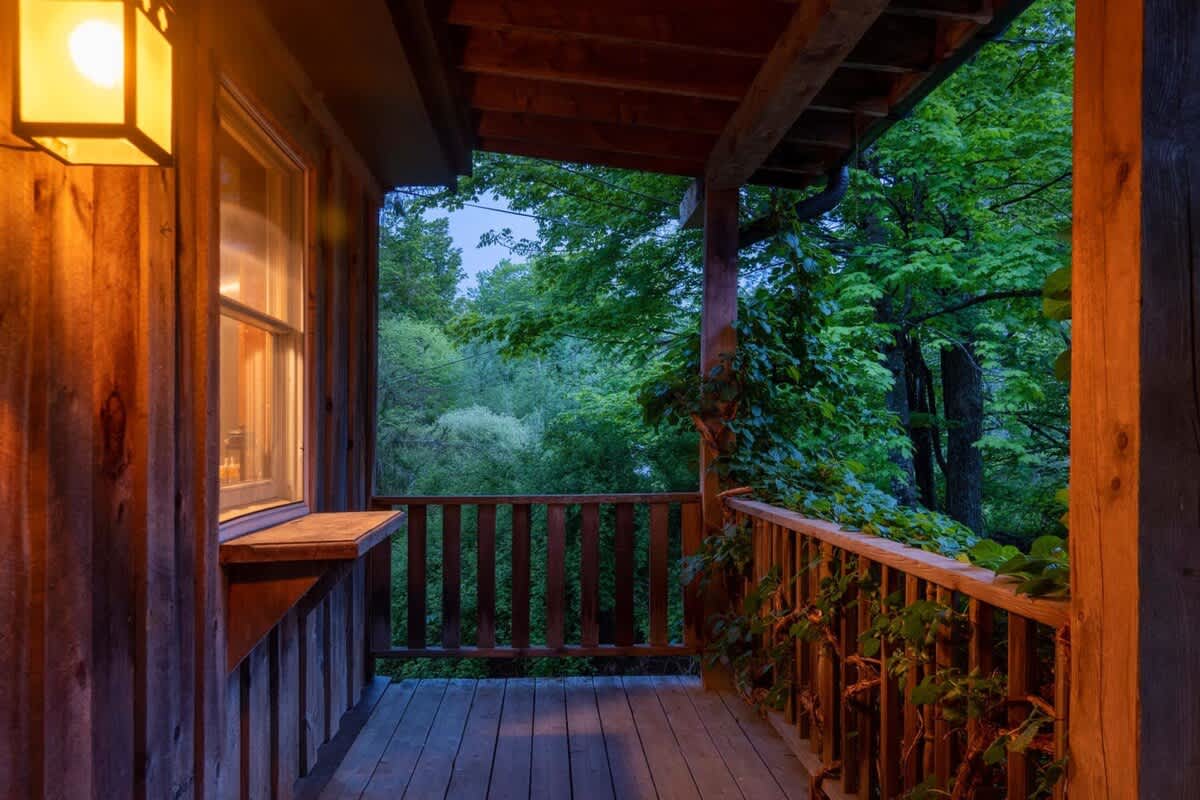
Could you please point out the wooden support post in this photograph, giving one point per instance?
(717, 337)
(1135, 454)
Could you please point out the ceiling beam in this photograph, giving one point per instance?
(598, 104)
(816, 41)
(701, 25)
(583, 155)
(542, 56)
(594, 135)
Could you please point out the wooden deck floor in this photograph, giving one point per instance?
(564, 738)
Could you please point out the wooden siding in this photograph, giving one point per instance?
(112, 598)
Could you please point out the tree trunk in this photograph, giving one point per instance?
(962, 396)
(920, 401)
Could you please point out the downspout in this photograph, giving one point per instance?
(809, 208)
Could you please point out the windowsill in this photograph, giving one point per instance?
(342, 536)
(270, 571)
(250, 519)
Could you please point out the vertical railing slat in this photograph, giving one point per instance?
(451, 576)
(891, 735)
(827, 676)
(911, 755)
(486, 575)
(693, 600)
(980, 649)
(804, 659)
(1022, 663)
(789, 582)
(556, 552)
(416, 577)
(1062, 694)
(520, 575)
(943, 761)
(867, 785)
(848, 637)
(623, 565)
(659, 517)
(589, 575)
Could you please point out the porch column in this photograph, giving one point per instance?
(1135, 402)
(717, 337)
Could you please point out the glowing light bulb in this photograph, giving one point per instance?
(98, 51)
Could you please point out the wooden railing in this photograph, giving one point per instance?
(600, 528)
(885, 749)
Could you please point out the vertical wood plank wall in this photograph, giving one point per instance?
(111, 598)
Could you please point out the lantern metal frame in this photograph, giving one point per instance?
(104, 130)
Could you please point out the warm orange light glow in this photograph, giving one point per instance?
(94, 80)
(98, 50)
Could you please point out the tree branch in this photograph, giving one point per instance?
(1003, 294)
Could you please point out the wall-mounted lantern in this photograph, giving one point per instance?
(94, 79)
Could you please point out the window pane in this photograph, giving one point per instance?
(259, 464)
(261, 333)
(260, 220)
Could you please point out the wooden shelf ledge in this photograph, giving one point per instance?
(271, 571)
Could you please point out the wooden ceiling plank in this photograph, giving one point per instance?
(818, 38)
(898, 44)
(583, 155)
(597, 104)
(701, 25)
(980, 12)
(541, 56)
(594, 135)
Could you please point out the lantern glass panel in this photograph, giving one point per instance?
(153, 83)
(72, 63)
(79, 150)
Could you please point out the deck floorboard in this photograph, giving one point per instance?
(588, 738)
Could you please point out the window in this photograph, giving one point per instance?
(261, 337)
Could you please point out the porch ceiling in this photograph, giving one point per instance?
(768, 91)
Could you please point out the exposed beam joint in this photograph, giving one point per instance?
(817, 40)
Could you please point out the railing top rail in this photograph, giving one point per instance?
(977, 582)
(535, 499)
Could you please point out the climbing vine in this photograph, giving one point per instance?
(755, 639)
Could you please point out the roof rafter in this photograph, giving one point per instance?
(816, 41)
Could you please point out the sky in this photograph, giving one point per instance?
(467, 225)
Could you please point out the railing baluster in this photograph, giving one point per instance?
(827, 676)
(659, 516)
(623, 564)
(980, 649)
(589, 575)
(486, 575)
(520, 575)
(451, 576)
(912, 714)
(789, 581)
(804, 658)
(943, 659)
(1062, 695)
(866, 722)
(848, 637)
(891, 736)
(815, 648)
(556, 550)
(1022, 664)
(693, 600)
(416, 576)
